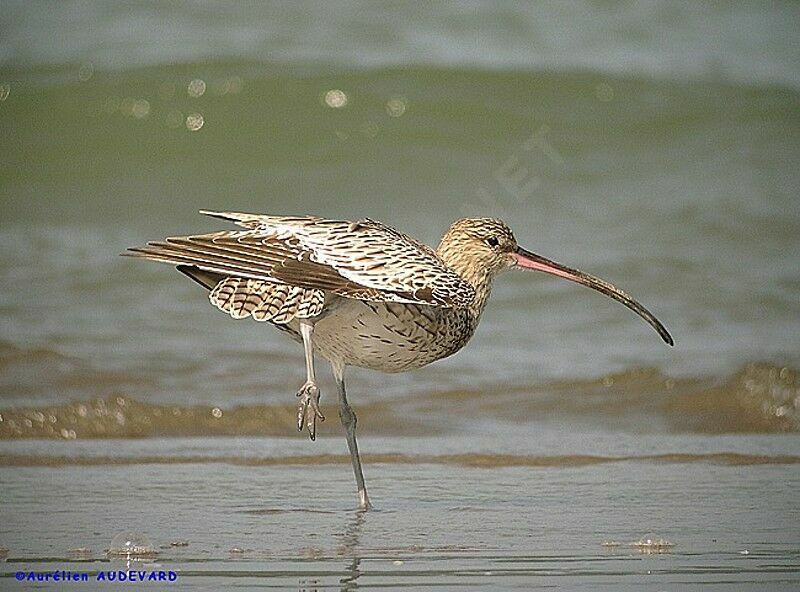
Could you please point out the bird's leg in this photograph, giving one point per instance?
(348, 417)
(308, 408)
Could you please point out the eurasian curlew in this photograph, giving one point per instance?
(359, 293)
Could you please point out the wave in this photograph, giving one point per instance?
(759, 398)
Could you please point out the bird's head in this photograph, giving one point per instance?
(480, 248)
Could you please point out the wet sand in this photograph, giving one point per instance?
(454, 523)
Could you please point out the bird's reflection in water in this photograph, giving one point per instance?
(350, 548)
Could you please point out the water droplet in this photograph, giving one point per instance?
(335, 98)
(196, 88)
(396, 106)
(194, 122)
(140, 109)
(226, 86)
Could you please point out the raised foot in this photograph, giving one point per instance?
(308, 409)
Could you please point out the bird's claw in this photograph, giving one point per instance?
(308, 409)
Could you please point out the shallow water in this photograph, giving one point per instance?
(491, 508)
(443, 525)
(654, 144)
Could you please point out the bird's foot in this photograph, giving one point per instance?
(308, 409)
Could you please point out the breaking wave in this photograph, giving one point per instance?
(759, 398)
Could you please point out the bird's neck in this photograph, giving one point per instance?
(475, 275)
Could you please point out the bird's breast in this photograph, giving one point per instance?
(391, 337)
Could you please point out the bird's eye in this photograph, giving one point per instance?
(492, 241)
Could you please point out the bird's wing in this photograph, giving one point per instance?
(366, 260)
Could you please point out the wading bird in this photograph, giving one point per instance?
(359, 293)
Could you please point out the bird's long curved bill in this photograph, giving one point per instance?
(527, 260)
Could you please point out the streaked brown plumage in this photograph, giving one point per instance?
(359, 293)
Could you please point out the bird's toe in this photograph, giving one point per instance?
(308, 409)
